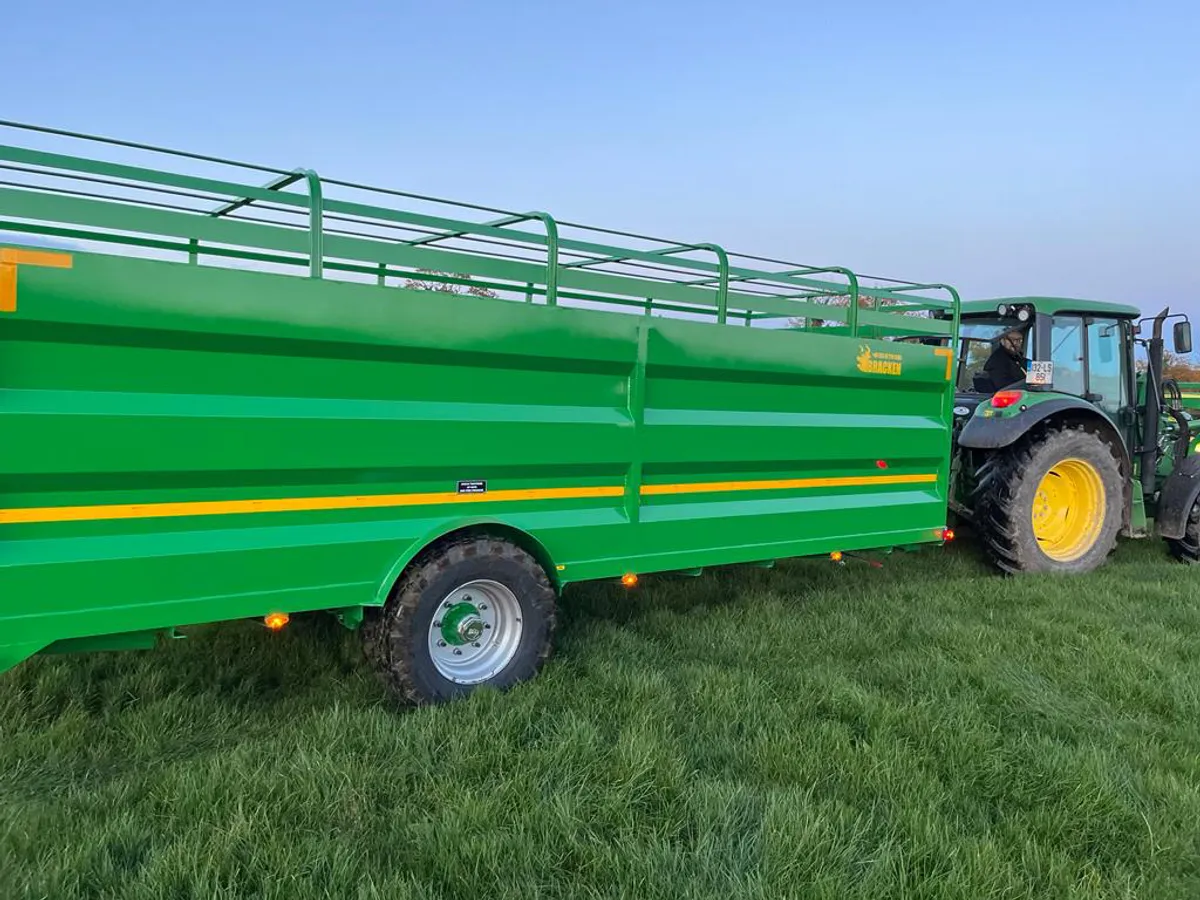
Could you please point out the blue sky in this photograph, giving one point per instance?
(1009, 148)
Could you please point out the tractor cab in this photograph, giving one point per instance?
(1078, 346)
(1082, 349)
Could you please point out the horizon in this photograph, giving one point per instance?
(1006, 155)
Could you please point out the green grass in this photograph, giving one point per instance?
(924, 730)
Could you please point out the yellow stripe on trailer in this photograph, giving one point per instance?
(105, 512)
(785, 484)
(290, 504)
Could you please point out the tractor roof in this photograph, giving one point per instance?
(1053, 306)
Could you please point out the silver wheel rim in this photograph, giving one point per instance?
(475, 632)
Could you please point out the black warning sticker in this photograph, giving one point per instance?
(472, 487)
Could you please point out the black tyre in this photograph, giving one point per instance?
(470, 613)
(1187, 548)
(1053, 502)
(372, 634)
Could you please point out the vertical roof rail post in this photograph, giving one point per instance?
(548, 223)
(723, 282)
(956, 307)
(551, 254)
(551, 227)
(955, 302)
(316, 231)
(852, 313)
(316, 208)
(722, 273)
(852, 283)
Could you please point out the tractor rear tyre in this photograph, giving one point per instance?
(474, 612)
(1052, 502)
(1187, 548)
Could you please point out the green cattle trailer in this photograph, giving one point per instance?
(221, 400)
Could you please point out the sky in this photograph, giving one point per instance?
(1014, 148)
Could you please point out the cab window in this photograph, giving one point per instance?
(1106, 378)
(1103, 379)
(1066, 352)
(978, 337)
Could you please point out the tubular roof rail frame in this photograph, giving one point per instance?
(335, 249)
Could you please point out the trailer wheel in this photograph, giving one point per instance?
(1051, 503)
(475, 612)
(1187, 548)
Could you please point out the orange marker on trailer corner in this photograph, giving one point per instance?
(12, 257)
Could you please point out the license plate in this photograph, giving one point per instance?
(1040, 373)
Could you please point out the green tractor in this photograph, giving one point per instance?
(1063, 441)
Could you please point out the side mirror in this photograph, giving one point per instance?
(1183, 337)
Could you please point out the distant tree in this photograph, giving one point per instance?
(1176, 366)
(864, 302)
(443, 287)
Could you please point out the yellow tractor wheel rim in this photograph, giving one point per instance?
(1068, 510)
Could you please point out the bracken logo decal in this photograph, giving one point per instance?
(876, 362)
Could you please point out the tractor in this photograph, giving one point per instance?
(1065, 440)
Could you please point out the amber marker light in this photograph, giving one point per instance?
(629, 580)
(276, 620)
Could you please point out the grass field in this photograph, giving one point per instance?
(924, 730)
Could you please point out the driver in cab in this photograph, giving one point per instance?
(1006, 365)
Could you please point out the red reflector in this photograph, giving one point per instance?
(880, 464)
(947, 534)
(1003, 399)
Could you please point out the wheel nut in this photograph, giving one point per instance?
(477, 643)
(487, 625)
(437, 624)
(483, 606)
(441, 643)
(457, 652)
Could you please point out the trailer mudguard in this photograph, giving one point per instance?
(1179, 495)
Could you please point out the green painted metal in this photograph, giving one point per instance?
(192, 433)
(130, 640)
(316, 230)
(11, 654)
(1053, 306)
(461, 624)
(1139, 525)
(1026, 401)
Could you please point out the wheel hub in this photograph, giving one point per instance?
(475, 632)
(1068, 509)
(462, 624)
